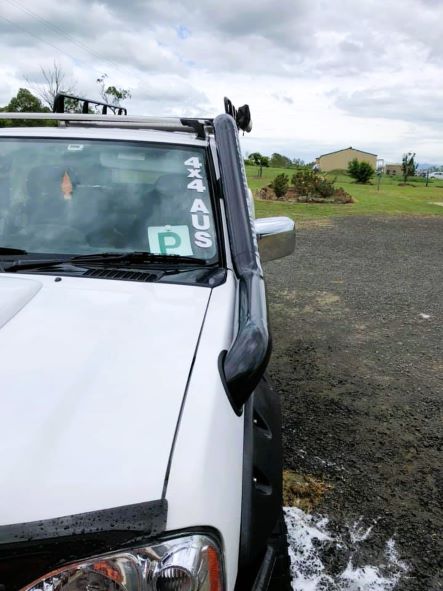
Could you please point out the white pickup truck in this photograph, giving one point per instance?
(140, 440)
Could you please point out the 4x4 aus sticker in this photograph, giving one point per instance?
(201, 222)
(180, 239)
(200, 218)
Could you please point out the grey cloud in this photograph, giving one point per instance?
(256, 36)
(408, 104)
(283, 98)
(260, 22)
(56, 20)
(351, 47)
(170, 95)
(281, 22)
(288, 38)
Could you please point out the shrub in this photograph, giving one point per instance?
(312, 184)
(408, 165)
(354, 168)
(362, 172)
(280, 185)
(341, 196)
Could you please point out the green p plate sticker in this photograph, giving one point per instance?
(170, 240)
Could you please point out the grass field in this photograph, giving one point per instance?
(390, 200)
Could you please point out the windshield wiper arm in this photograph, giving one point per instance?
(137, 257)
(107, 258)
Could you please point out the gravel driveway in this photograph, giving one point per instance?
(357, 327)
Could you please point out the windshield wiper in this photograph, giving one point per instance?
(7, 250)
(110, 258)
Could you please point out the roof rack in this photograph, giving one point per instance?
(198, 126)
(59, 104)
(201, 127)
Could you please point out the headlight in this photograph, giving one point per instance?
(191, 563)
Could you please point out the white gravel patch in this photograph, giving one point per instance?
(308, 535)
(358, 532)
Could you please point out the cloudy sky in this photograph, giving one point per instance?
(318, 75)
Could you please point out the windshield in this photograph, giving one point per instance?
(87, 196)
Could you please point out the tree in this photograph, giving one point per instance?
(24, 102)
(55, 81)
(280, 161)
(280, 185)
(255, 158)
(111, 94)
(259, 160)
(408, 165)
(362, 172)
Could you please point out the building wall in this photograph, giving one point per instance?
(341, 159)
(393, 169)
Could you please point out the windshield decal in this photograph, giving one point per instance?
(201, 220)
(203, 239)
(170, 240)
(194, 173)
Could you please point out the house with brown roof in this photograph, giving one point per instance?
(340, 159)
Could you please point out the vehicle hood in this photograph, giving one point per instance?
(92, 376)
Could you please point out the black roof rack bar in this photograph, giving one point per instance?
(198, 125)
(59, 105)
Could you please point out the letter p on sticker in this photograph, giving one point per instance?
(170, 240)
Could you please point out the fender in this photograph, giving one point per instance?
(262, 474)
(29, 550)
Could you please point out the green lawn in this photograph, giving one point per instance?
(390, 200)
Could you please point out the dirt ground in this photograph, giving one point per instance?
(357, 327)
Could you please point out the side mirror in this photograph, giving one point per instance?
(276, 237)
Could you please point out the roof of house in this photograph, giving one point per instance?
(344, 150)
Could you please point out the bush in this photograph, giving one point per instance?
(408, 166)
(312, 184)
(280, 185)
(362, 172)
